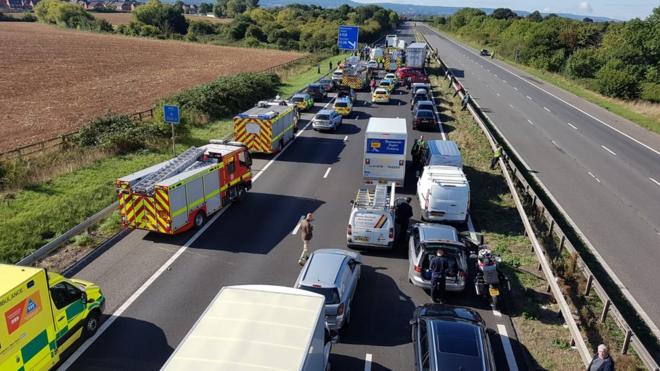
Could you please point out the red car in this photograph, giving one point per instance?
(415, 74)
(403, 72)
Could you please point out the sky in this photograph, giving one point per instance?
(617, 9)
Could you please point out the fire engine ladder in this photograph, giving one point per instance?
(173, 167)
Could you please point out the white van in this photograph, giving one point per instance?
(337, 75)
(442, 152)
(371, 223)
(444, 194)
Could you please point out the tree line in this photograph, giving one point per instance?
(293, 27)
(617, 59)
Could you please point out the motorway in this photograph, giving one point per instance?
(603, 170)
(157, 286)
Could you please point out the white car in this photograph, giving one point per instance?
(444, 194)
(372, 64)
(337, 75)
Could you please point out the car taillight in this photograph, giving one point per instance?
(391, 233)
(418, 269)
(340, 309)
(349, 230)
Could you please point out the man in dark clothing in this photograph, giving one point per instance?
(330, 66)
(306, 233)
(602, 361)
(438, 268)
(417, 151)
(403, 213)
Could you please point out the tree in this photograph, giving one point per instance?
(504, 13)
(583, 64)
(587, 20)
(535, 16)
(205, 8)
(255, 32)
(168, 19)
(251, 4)
(220, 8)
(235, 7)
(617, 80)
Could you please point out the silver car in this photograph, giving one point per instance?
(333, 273)
(326, 120)
(425, 240)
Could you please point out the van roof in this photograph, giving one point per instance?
(443, 147)
(388, 125)
(323, 268)
(14, 275)
(262, 327)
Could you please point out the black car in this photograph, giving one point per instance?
(450, 338)
(418, 97)
(327, 84)
(484, 53)
(424, 120)
(317, 92)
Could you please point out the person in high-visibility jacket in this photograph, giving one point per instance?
(496, 156)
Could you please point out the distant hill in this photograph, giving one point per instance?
(409, 9)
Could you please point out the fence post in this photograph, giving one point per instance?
(606, 308)
(590, 280)
(626, 342)
(561, 244)
(552, 225)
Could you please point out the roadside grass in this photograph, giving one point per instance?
(296, 78)
(535, 315)
(644, 114)
(82, 184)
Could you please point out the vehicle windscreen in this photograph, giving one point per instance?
(331, 294)
(425, 114)
(313, 88)
(381, 92)
(323, 117)
(425, 107)
(341, 104)
(441, 195)
(456, 338)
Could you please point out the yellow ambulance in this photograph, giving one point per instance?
(42, 314)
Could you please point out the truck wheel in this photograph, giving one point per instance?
(241, 194)
(91, 324)
(200, 219)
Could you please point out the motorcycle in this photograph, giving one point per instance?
(490, 281)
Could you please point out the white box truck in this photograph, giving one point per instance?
(385, 151)
(391, 41)
(416, 55)
(257, 327)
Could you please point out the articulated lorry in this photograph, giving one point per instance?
(257, 327)
(43, 315)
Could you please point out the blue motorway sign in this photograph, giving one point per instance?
(171, 114)
(348, 37)
(386, 146)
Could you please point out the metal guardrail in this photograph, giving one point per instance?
(508, 163)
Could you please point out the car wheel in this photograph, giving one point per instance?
(200, 219)
(92, 323)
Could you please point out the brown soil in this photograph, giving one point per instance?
(126, 18)
(54, 79)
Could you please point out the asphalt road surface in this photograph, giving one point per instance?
(605, 175)
(157, 286)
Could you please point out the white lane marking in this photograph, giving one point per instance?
(498, 94)
(118, 312)
(367, 362)
(530, 122)
(546, 108)
(345, 138)
(593, 176)
(74, 357)
(528, 97)
(327, 172)
(295, 230)
(514, 88)
(655, 181)
(555, 143)
(511, 105)
(608, 150)
(573, 126)
(506, 344)
(497, 313)
(504, 81)
(495, 74)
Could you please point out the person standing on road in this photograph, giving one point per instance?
(372, 84)
(602, 360)
(306, 232)
(416, 152)
(438, 268)
(496, 156)
(318, 68)
(330, 66)
(402, 215)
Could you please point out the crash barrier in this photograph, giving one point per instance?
(64, 140)
(543, 208)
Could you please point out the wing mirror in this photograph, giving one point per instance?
(83, 297)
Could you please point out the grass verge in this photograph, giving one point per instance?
(534, 313)
(83, 185)
(644, 114)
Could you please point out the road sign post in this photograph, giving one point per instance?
(172, 116)
(347, 39)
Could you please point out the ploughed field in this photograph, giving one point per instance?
(53, 79)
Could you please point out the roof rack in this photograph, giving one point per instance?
(171, 168)
(372, 199)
